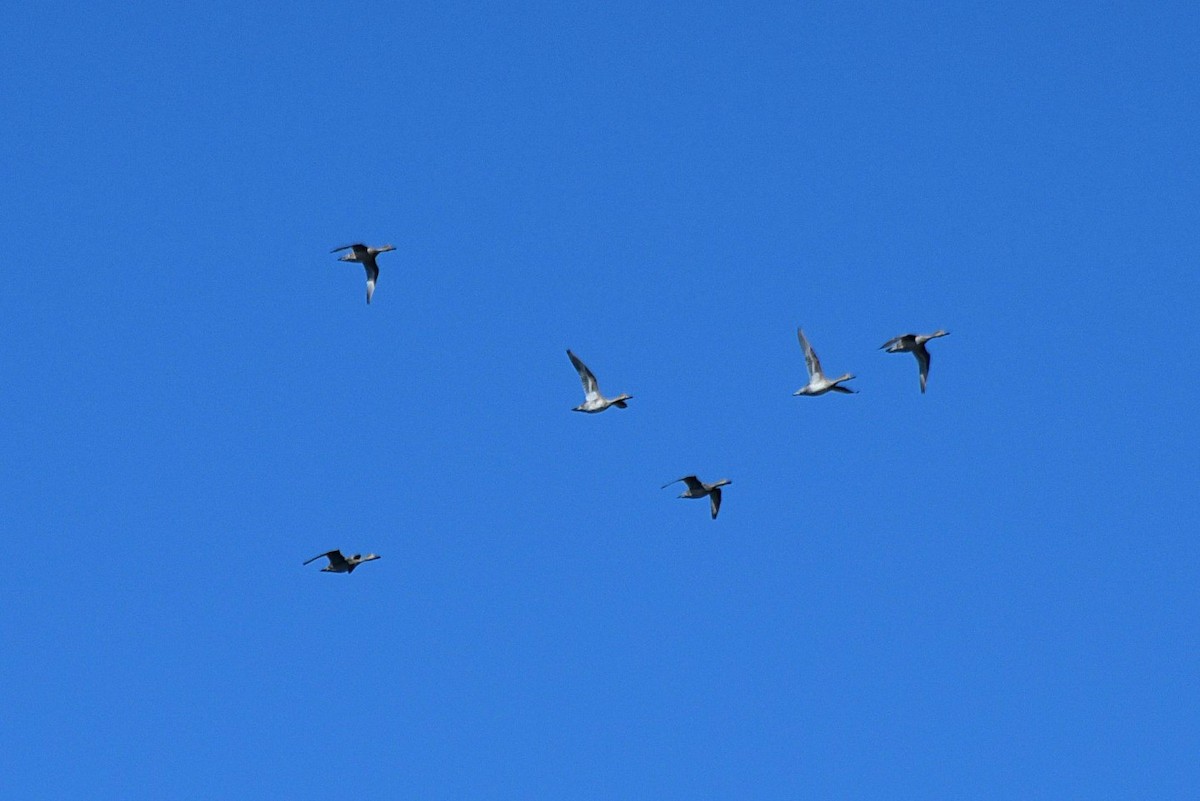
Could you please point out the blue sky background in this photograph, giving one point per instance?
(985, 592)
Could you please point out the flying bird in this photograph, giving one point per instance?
(342, 564)
(698, 489)
(593, 401)
(365, 256)
(818, 384)
(915, 344)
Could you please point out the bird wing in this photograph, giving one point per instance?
(590, 387)
(330, 554)
(714, 501)
(691, 481)
(356, 247)
(810, 356)
(923, 362)
(901, 342)
(372, 276)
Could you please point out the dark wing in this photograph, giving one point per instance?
(923, 361)
(810, 356)
(691, 481)
(714, 502)
(590, 387)
(902, 342)
(356, 247)
(331, 554)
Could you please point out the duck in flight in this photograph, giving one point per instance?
(593, 401)
(698, 489)
(365, 256)
(818, 384)
(914, 344)
(342, 564)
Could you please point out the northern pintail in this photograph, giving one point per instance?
(365, 256)
(915, 344)
(818, 384)
(342, 564)
(698, 489)
(593, 401)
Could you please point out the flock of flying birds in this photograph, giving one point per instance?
(595, 402)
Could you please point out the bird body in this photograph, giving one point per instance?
(915, 344)
(342, 564)
(698, 489)
(365, 256)
(818, 384)
(593, 401)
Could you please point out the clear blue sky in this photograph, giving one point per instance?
(987, 592)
